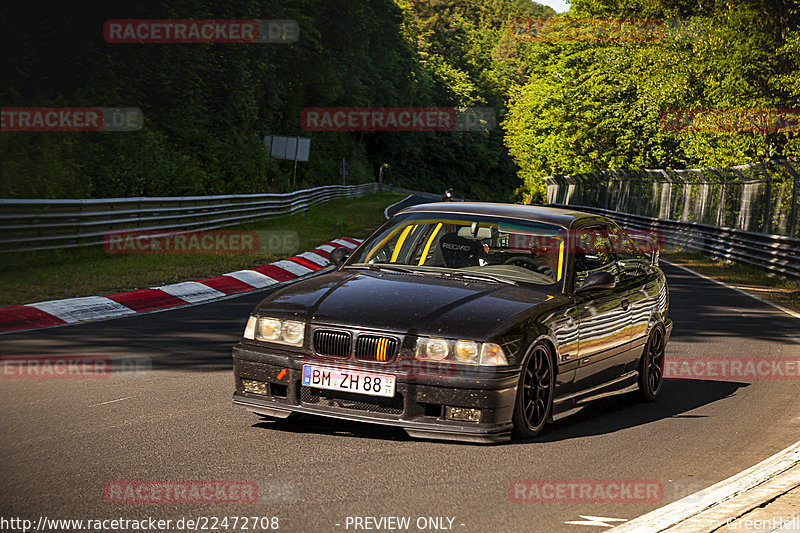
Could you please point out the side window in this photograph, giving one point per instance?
(594, 251)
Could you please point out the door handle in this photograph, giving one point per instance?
(625, 305)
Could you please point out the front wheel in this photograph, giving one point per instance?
(534, 393)
(651, 366)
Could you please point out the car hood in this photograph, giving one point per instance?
(403, 303)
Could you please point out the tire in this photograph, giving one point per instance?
(651, 366)
(535, 392)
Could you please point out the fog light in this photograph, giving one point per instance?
(254, 387)
(462, 414)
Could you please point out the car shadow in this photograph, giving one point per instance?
(678, 398)
(319, 425)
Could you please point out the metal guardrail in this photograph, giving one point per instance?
(27, 225)
(775, 253)
(759, 197)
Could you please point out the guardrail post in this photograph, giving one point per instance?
(795, 191)
(577, 189)
(665, 192)
(644, 179)
(622, 197)
(686, 196)
(569, 190)
(607, 196)
(595, 189)
(721, 206)
(703, 195)
(551, 196)
(672, 190)
(743, 222)
(767, 224)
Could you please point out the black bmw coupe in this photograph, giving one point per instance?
(462, 321)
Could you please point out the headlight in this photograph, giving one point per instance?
(268, 329)
(432, 349)
(274, 330)
(293, 332)
(465, 352)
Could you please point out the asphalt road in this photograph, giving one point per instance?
(172, 419)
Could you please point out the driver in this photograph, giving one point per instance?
(545, 251)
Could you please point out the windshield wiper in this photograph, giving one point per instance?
(479, 276)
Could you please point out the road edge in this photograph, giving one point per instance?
(779, 307)
(736, 489)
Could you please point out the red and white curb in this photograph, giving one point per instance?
(73, 310)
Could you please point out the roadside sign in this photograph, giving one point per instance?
(303, 148)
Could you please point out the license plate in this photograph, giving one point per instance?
(368, 383)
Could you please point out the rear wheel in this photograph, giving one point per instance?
(651, 366)
(534, 393)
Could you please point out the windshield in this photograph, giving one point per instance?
(472, 245)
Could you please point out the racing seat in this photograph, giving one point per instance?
(460, 252)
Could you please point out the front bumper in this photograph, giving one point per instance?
(418, 405)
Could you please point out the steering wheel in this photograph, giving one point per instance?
(531, 264)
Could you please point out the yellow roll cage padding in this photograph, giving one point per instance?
(560, 260)
(411, 228)
(401, 240)
(428, 245)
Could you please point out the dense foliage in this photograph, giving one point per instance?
(563, 106)
(588, 106)
(208, 106)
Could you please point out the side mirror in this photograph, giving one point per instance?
(649, 244)
(597, 281)
(339, 256)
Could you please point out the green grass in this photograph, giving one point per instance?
(54, 274)
(770, 287)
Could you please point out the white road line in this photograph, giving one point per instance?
(73, 310)
(252, 278)
(111, 401)
(679, 511)
(789, 312)
(597, 521)
(191, 291)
